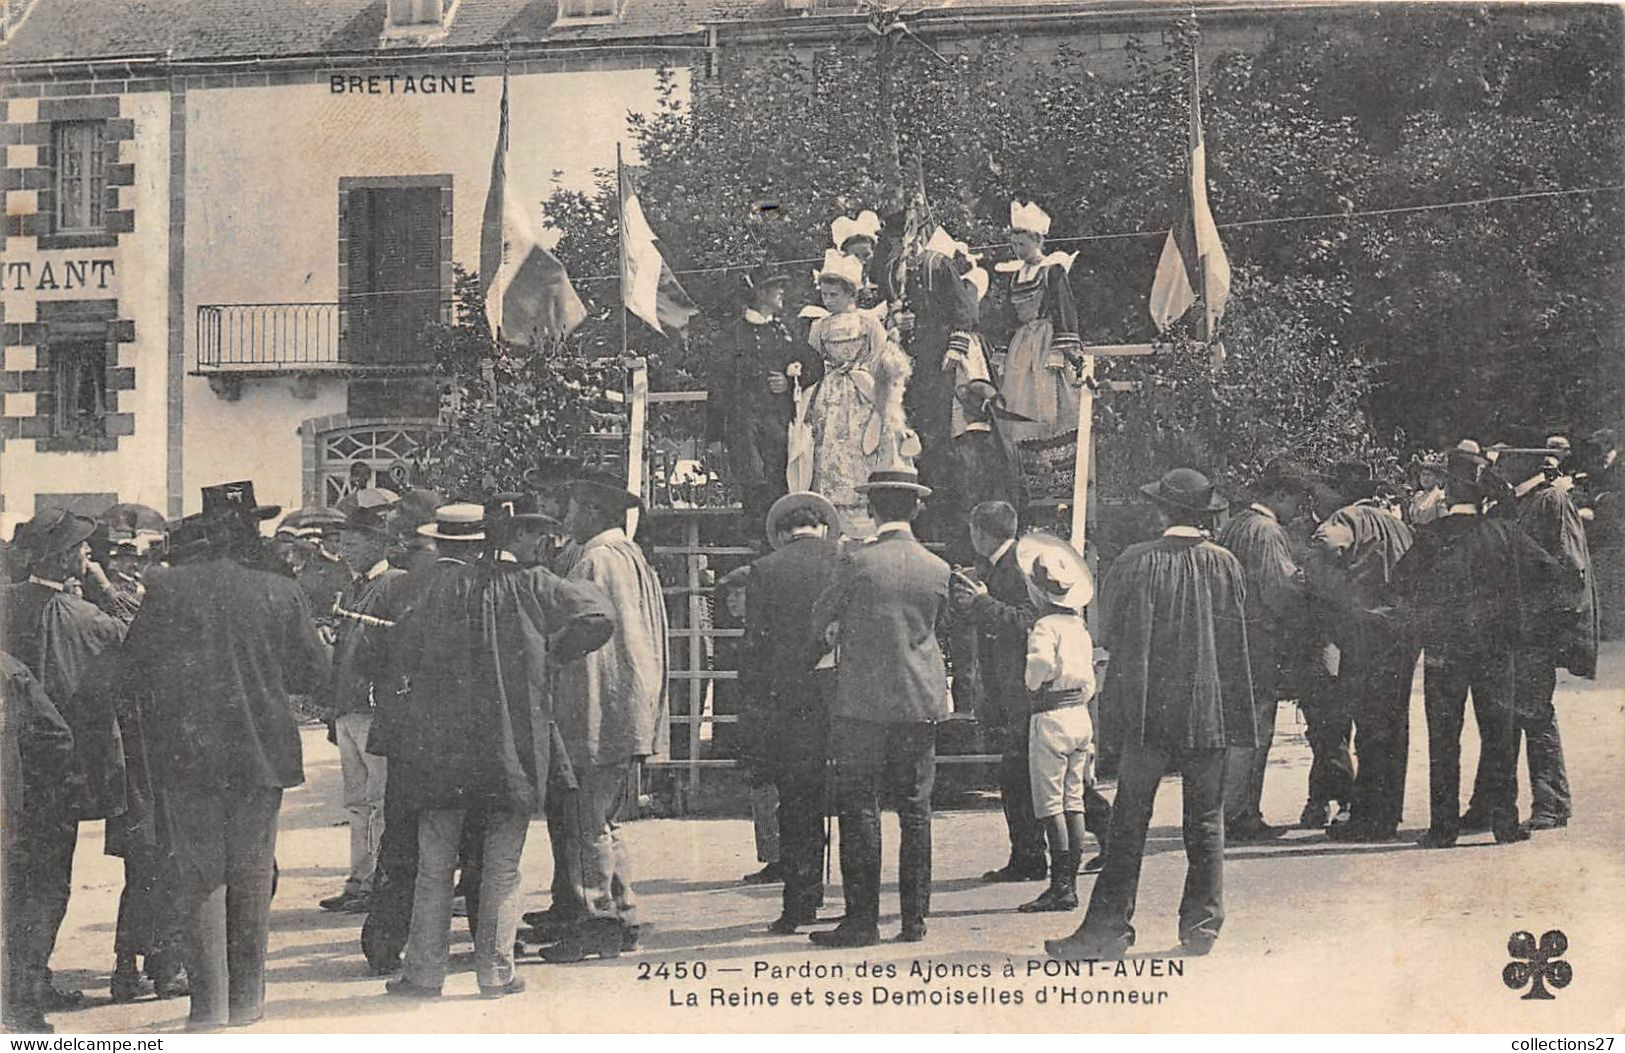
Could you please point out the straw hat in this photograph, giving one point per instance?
(894, 479)
(456, 522)
(1056, 573)
(795, 502)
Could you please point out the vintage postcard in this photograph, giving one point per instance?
(503, 501)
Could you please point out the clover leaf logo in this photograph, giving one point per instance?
(1539, 963)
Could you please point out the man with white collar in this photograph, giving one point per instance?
(611, 710)
(1476, 589)
(1276, 611)
(1178, 692)
(881, 613)
(364, 614)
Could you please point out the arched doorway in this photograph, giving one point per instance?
(343, 455)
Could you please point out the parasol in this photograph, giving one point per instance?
(130, 518)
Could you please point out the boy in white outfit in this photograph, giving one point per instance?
(1060, 677)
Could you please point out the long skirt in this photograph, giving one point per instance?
(1034, 387)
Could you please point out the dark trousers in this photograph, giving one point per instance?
(149, 918)
(901, 759)
(1109, 920)
(38, 880)
(1447, 678)
(567, 903)
(1535, 723)
(1016, 793)
(225, 843)
(1328, 726)
(801, 832)
(1376, 683)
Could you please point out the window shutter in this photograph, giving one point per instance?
(395, 272)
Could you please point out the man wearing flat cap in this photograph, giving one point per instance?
(68, 645)
(1276, 614)
(750, 403)
(1178, 692)
(881, 613)
(1476, 589)
(218, 646)
(790, 684)
(611, 712)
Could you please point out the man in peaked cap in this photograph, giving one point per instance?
(1178, 691)
(1276, 607)
(64, 641)
(881, 613)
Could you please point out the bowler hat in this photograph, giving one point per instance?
(552, 470)
(456, 522)
(894, 479)
(1187, 489)
(237, 497)
(517, 507)
(1055, 571)
(795, 502)
(1284, 474)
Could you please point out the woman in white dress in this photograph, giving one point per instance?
(856, 410)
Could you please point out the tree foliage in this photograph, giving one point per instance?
(1347, 335)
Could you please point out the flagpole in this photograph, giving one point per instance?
(620, 227)
(637, 394)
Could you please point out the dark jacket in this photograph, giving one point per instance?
(1171, 615)
(1003, 618)
(72, 648)
(742, 412)
(1551, 518)
(888, 597)
(1277, 595)
(782, 698)
(943, 305)
(215, 652)
(1472, 582)
(477, 652)
(35, 747)
(366, 612)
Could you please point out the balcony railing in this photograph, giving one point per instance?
(282, 338)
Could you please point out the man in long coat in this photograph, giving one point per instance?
(611, 710)
(1276, 613)
(477, 736)
(1477, 589)
(1178, 692)
(1351, 563)
(214, 653)
(1546, 510)
(36, 750)
(791, 690)
(882, 612)
(70, 647)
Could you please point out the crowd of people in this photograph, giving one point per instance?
(481, 664)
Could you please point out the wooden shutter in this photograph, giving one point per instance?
(394, 264)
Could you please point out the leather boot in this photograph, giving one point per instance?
(1062, 893)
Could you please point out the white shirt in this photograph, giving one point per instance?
(999, 552)
(1461, 510)
(1184, 531)
(1060, 654)
(1266, 511)
(902, 526)
(376, 569)
(755, 317)
(35, 579)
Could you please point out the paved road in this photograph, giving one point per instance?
(1320, 937)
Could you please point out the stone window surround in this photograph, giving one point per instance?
(41, 179)
(79, 319)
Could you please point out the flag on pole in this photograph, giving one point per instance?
(648, 286)
(526, 287)
(1193, 263)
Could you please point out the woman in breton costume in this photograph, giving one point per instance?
(859, 237)
(856, 410)
(1040, 369)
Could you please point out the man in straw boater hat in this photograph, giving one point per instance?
(476, 653)
(881, 613)
(750, 402)
(63, 640)
(1546, 510)
(1350, 565)
(790, 687)
(1277, 611)
(217, 647)
(1179, 693)
(611, 711)
(364, 613)
(1059, 676)
(1476, 590)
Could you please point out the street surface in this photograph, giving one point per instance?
(1319, 937)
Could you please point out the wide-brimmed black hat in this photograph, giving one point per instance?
(54, 530)
(238, 498)
(604, 490)
(517, 507)
(894, 479)
(764, 277)
(1284, 474)
(1187, 489)
(553, 471)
